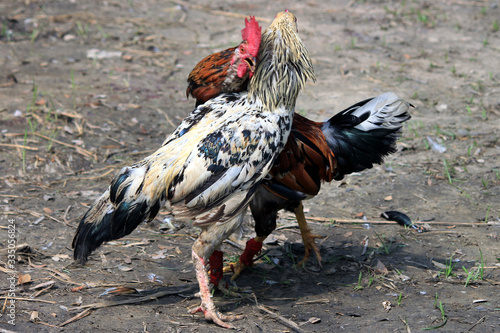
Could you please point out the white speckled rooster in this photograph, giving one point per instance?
(213, 163)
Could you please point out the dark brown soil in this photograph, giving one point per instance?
(69, 123)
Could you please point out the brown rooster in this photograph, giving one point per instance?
(228, 70)
(213, 163)
(351, 141)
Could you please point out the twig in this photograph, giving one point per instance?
(281, 319)
(314, 301)
(408, 330)
(77, 317)
(165, 114)
(79, 150)
(357, 221)
(18, 146)
(236, 245)
(477, 323)
(132, 300)
(28, 299)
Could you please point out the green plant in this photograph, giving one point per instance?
(23, 152)
(386, 248)
(477, 273)
(448, 270)
(354, 40)
(447, 171)
(103, 34)
(400, 298)
(359, 286)
(81, 30)
(73, 88)
(439, 305)
(34, 35)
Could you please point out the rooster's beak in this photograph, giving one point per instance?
(251, 63)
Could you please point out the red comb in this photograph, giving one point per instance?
(252, 34)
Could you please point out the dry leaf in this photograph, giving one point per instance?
(388, 198)
(380, 268)
(314, 320)
(41, 101)
(439, 265)
(122, 291)
(348, 234)
(22, 279)
(124, 268)
(34, 316)
(43, 285)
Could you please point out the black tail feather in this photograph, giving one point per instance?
(363, 134)
(114, 215)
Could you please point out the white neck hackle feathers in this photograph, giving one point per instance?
(284, 65)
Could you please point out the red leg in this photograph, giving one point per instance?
(207, 305)
(252, 247)
(216, 263)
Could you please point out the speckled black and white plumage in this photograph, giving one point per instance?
(211, 165)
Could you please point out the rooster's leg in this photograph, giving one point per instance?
(307, 237)
(252, 247)
(207, 304)
(216, 263)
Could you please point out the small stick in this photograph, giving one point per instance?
(477, 323)
(281, 319)
(77, 317)
(357, 221)
(28, 299)
(408, 330)
(18, 146)
(80, 150)
(132, 300)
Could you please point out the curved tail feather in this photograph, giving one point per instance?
(363, 134)
(116, 213)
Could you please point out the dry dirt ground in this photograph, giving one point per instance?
(69, 123)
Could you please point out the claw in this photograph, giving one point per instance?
(238, 269)
(217, 317)
(207, 305)
(252, 247)
(310, 245)
(308, 238)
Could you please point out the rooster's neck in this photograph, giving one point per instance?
(283, 68)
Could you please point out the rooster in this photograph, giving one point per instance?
(213, 163)
(228, 70)
(315, 152)
(351, 141)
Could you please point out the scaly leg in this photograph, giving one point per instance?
(307, 237)
(252, 247)
(207, 305)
